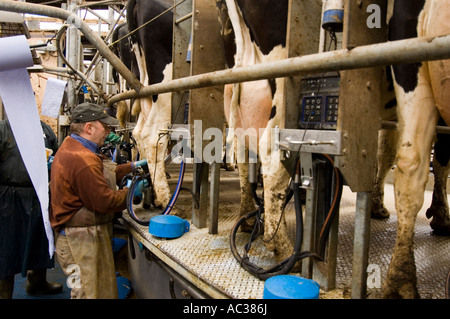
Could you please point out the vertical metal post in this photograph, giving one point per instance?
(360, 101)
(206, 104)
(72, 53)
(302, 38)
(214, 199)
(310, 226)
(181, 65)
(200, 186)
(109, 88)
(361, 245)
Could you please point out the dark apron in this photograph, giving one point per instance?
(23, 241)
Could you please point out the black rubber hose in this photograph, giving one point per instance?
(286, 265)
(130, 196)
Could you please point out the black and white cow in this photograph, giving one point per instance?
(152, 47)
(255, 32)
(423, 94)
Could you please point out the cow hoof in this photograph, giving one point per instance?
(228, 166)
(380, 213)
(440, 222)
(297, 267)
(404, 291)
(401, 281)
(161, 203)
(179, 212)
(248, 226)
(440, 228)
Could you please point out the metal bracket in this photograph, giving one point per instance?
(311, 141)
(295, 142)
(306, 170)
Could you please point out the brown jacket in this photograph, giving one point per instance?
(77, 181)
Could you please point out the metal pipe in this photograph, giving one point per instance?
(392, 125)
(94, 39)
(94, 60)
(402, 51)
(104, 2)
(44, 69)
(100, 93)
(186, 17)
(97, 54)
(97, 15)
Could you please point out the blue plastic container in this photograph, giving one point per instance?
(333, 20)
(168, 226)
(290, 287)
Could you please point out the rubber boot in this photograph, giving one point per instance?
(37, 283)
(6, 288)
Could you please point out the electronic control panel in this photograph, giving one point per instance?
(319, 101)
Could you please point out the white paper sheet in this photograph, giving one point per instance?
(54, 92)
(20, 106)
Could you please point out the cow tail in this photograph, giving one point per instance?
(136, 107)
(123, 113)
(236, 20)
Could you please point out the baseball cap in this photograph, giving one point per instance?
(88, 112)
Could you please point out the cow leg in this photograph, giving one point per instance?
(275, 228)
(247, 203)
(417, 125)
(155, 147)
(275, 178)
(387, 145)
(439, 206)
(436, 23)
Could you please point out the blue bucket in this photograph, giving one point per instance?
(168, 226)
(290, 287)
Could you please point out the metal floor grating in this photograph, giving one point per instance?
(208, 257)
(432, 253)
(208, 262)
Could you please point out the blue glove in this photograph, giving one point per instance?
(49, 162)
(139, 163)
(139, 187)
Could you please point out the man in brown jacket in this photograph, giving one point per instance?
(84, 198)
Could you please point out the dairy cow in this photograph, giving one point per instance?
(255, 32)
(152, 48)
(423, 94)
(253, 36)
(438, 210)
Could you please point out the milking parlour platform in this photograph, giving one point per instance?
(206, 261)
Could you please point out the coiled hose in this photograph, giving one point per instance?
(140, 176)
(286, 265)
